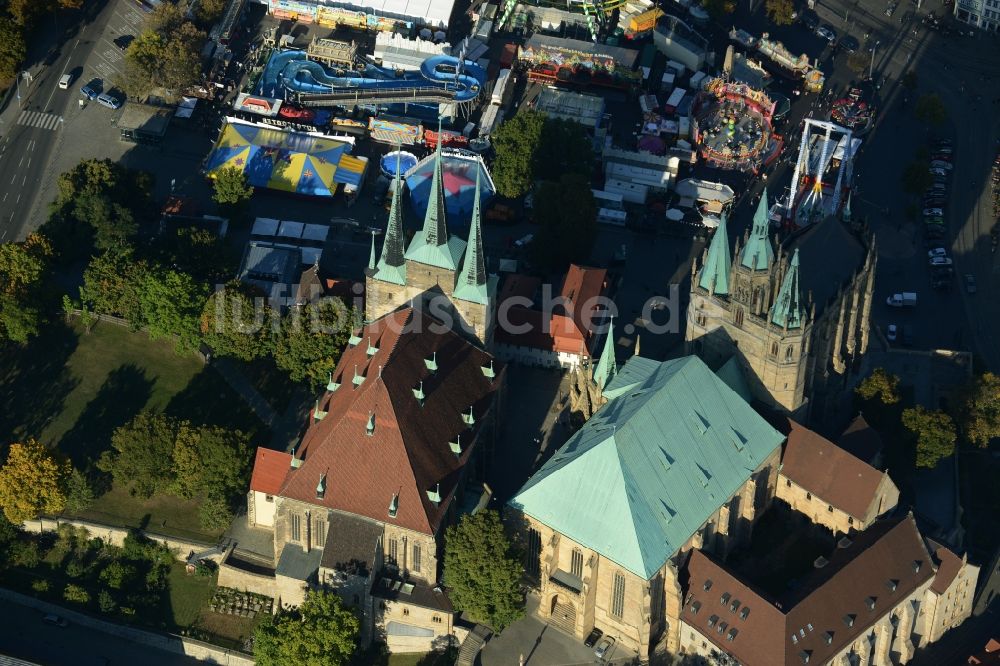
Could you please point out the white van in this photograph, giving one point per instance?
(65, 80)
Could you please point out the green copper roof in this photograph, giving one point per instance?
(472, 284)
(715, 272)
(788, 309)
(732, 374)
(652, 466)
(391, 267)
(607, 366)
(432, 246)
(371, 255)
(846, 215)
(757, 253)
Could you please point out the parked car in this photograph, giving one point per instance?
(937, 189)
(604, 647)
(937, 172)
(123, 41)
(970, 283)
(810, 19)
(890, 8)
(933, 212)
(593, 637)
(941, 156)
(940, 261)
(941, 180)
(55, 620)
(907, 335)
(890, 333)
(934, 201)
(109, 100)
(904, 299)
(941, 164)
(827, 32)
(92, 89)
(524, 241)
(849, 44)
(937, 252)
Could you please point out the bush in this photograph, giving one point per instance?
(76, 568)
(156, 578)
(215, 514)
(117, 575)
(76, 594)
(204, 568)
(40, 585)
(25, 554)
(105, 602)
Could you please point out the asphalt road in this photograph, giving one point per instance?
(25, 636)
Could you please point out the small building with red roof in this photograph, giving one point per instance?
(554, 332)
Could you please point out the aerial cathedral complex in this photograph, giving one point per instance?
(795, 315)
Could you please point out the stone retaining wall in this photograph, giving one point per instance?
(167, 642)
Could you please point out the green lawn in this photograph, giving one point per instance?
(188, 595)
(71, 389)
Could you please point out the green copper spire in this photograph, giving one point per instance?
(757, 253)
(788, 311)
(432, 246)
(471, 284)
(607, 367)
(846, 214)
(371, 255)
(391, 267)
(715, 272)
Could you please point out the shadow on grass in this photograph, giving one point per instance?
(208, 400)
(34, 382)
(122, 396)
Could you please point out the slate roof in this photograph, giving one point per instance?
(296, 563)
(408, 452)
(830, 255)
(949, 564)
(646, 472)
(351, 541)
(829, 472)
(885, 563)
(269, 470)
(861, 440)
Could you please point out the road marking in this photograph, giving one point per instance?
(13, 179)
(5, 196)
(46, 121)
(24, 181)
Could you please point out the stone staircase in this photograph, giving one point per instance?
(471, 646)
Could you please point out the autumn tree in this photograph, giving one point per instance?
(32, 482)
(207, 12)
(320, 632)
(22, 269)
(720, 9)
(237, 323)
(980, 415)
(166, 55)
(171, 303)
(935, 433)
(311, 339)
(482, 571)
(879, 385)
(13, 49)
(781, 12)
(231, 187)
(111, 285)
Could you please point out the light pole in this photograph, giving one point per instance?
(871, 67)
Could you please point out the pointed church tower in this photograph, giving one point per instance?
(471, 283)
(431, 246)
(714, 276)
(391, 267)
(788, 312)
(758, 255)
(607, 365)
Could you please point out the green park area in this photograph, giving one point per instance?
(71, 389)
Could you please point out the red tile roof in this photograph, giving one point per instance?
(880, 564)
(990, 656)
(829, 472)
(581, 288)
(269, 470)
(409, 452)
(516, 284)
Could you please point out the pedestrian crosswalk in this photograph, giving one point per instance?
(46, 121)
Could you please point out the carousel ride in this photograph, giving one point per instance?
(732, 126)
(853, 112)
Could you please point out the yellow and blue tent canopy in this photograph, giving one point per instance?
(286, 161)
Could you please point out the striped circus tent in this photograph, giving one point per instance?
(286, 161)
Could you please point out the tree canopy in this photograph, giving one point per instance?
(935, 433)
(141, 455)
(881, 386)
(515, 143)
(13, 49)
(567, 215)
(171, 303)
(237, 323)
(482, 571)
(166, 55)
(32, 482)
(916, 177)
(980, 416)
(23, 268)
(930, 109)
(231, 187)
(311, 339)
(781, 12)
(320, 632)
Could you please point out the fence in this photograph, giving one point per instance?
(202, 353)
